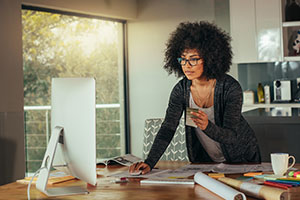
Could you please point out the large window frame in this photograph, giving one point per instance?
(125, 62)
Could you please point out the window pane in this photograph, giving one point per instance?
(56, 45)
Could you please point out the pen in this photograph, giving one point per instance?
(279, 185)
(284, 182)
(121, 180)
(290, 179)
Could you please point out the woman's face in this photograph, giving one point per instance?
(192, 64)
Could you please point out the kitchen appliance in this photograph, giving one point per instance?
(297, 93)
(282, 90)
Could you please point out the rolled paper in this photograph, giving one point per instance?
(257, 191)
(218, 188)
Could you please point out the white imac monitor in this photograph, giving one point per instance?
(73, 134)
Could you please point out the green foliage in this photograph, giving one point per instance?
(57, 45)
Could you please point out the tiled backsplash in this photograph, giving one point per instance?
(251, 74)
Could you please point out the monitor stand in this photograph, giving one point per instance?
(42, 180)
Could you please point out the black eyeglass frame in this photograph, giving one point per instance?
(180, 60)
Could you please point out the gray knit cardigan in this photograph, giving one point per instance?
(231, 130)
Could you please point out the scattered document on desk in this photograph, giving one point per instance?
(189, 170)
(183, 172)
(127, 160)
(168, 181)
(241, 168)
(192, 169)
(224, 168)
(54, 178)
(152, 173)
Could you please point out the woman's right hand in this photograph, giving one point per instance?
(139, 166)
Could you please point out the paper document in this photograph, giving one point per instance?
(173, 174)
(167, 181)
(224, 168)
(189, 170)
(127, 160)
(153, 173)
(54, 178)
(241, 168)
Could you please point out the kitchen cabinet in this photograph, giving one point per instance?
(255, 27)
(290, 27)
(242, 29)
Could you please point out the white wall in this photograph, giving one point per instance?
(149, 83)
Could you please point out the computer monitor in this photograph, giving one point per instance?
(73, 134)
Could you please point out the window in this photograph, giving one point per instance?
(57, 44)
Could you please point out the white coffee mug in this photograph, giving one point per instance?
(280, 162)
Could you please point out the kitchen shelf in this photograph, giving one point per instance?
(289, 34)
(292, 58)
(290, 24)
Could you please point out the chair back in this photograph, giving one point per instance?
(176, 150)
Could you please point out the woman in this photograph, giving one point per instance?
(201, 54)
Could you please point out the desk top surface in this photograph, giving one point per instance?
(132, 190)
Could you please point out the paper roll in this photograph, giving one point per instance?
(218, 188)
(254, 190)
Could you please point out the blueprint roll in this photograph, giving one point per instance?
(224, 191)
(258, 191)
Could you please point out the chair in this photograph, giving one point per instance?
(176, 150)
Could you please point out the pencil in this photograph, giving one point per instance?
(279, 185)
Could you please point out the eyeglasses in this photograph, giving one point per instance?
(192, 61)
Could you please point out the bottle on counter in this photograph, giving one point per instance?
(267, 94)
(248, 97)
(260, 93)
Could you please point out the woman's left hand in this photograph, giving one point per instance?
(200, 119)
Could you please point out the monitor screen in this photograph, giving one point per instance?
(73, 108)
(73, 135)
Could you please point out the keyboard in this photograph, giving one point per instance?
(168, 181)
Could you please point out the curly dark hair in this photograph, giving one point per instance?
(212, 43)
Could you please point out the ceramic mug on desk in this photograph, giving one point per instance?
(280, 163)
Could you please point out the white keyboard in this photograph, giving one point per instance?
(168, 181)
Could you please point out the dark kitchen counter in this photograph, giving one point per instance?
(273, 115)
(276, 129)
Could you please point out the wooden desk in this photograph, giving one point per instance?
(116, 191)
